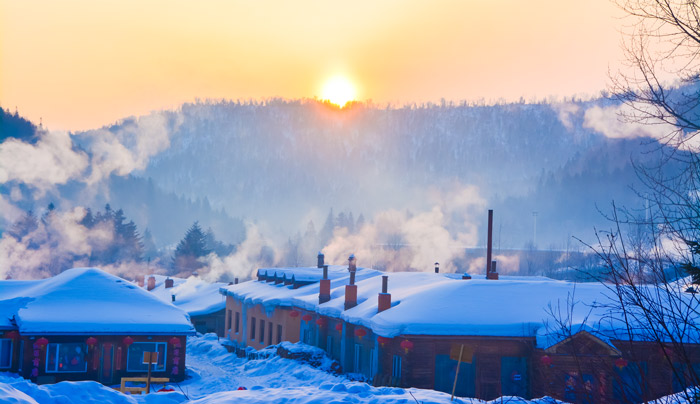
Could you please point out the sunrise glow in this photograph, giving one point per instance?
(339, 91)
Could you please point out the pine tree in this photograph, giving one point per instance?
(327, 229)
(189, 250)
(149, 246)
(360, 222)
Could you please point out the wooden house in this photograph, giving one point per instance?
(416, 329)
(85, 324)
(200, 299)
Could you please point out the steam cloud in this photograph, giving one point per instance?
(400, 241)
(610, 122)
(54, 160)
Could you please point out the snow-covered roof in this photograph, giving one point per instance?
(87, 301)
(305, 274)
(193, 295)
(445, 304)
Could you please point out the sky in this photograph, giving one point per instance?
(81, 64)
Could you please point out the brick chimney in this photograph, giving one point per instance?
(320, 259)
(437, 267)
(384, 298)
(151, 282)
(139, 280)
(168, 283)
(351, 292)
(324, 294)
(352, 263)
(492, 274)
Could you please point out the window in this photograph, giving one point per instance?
(5, 353)
(134, 360)
(237, 325)
(252, 328)
(279, 333)
(373, 363)
(262, 331)
(358, 357)
(228, 320)
(66, 358)
(269, 334)
(396, 367)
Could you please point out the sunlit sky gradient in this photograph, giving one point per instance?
(82, 64)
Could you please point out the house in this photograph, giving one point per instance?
(509, 335)
(85, 324)
(200, 299)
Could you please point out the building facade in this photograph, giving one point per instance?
(495, 337)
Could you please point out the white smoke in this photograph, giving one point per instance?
(55, 160)
(566, 111)
(252, 254)
(129, 148)
(401, 241)
(611, 122)
(51, 161)
(51, 246)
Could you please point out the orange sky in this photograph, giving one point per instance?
(82, 64)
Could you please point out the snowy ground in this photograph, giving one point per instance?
(214, 375)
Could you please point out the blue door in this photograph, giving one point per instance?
(514, 376)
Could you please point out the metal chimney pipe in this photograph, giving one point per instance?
(437, 267)
(489, 242)
(385, 283)
(235, 281)
(325, 272)
(352, 277)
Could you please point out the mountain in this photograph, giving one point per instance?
(284, 161)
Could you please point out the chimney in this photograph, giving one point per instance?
(324, 294)
(235, 281)
(151, 282)
(437, 267)
(488, 243)
(139, 280)
(351, 292)
(173, 297)
(168, 283)
(230, 283)
(493, 274)
(320, 259)
(384, 298)
(352, 263)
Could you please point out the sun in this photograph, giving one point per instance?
(339, 91)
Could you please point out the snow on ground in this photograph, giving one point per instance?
(214, 375)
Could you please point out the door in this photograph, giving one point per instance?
(514, 377)
(107, 364)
